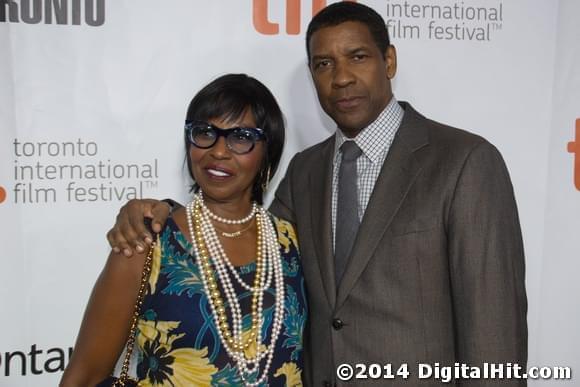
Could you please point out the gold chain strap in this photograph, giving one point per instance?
(124, 377)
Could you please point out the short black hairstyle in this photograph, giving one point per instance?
(228, 97)
(348, 11)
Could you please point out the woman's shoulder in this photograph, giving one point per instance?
(175, 230)
(178, 217)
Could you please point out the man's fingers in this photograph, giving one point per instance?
(113, 242)
(134, 230)
(130, 232)
(147, 206)
(131, 236)
(119, 244)
(160, 212)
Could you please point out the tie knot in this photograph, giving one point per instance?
(350, 151)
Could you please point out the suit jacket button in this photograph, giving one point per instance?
(326, 383)
(337, 324)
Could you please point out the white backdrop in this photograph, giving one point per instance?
(92, 102)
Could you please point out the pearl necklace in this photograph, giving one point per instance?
(212, 242)
(213, 239)
(206, 244)
(218, 218)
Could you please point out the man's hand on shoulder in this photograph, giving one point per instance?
(130, 233)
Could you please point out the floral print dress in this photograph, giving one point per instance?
(177, 339)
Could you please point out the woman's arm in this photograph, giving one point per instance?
(106, 322)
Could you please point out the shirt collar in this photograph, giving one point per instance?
(378, 136)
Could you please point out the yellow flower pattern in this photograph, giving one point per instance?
(292, 374)
(286, 234)
(251, 351)
(155, 266)
(157, 331)
(175, 367)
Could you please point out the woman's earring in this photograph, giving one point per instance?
(266, 183)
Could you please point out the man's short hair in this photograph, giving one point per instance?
(346, 11)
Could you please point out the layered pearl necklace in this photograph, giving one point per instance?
(208, 250)
(224, 220)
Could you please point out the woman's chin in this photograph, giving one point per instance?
(221, 194)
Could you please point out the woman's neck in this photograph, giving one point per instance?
(230, 208)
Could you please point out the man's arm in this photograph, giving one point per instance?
(487, 266)
(129, 233)
(283, 206)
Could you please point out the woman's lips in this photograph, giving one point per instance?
(219, 173)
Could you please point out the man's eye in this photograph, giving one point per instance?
(359, 57)
(322, 64)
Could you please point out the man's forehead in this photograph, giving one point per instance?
(347, 37)
(346, 27)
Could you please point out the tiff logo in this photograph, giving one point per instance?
(574, 147)
(293, 14)
(68, 12)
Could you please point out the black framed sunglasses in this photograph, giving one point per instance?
(239, 140)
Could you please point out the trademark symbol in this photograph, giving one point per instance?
(151, 184)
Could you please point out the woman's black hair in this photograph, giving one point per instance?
(228, 98)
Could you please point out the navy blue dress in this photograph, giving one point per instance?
(177, 339)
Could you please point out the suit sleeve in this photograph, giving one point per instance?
(487, 266)
(283, 207)
(283, 204)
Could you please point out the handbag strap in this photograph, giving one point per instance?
(135, 318)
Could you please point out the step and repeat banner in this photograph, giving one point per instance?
(93, 95)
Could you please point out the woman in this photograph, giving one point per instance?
(239, 321)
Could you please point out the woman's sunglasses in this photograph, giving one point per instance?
(239, 140)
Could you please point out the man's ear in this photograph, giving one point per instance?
(391, 61)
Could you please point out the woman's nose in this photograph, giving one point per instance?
(220, 148)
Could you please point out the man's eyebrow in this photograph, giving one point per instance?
(348, 51)
(320, 56)
(356, 50)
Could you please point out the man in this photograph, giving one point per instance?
(423, 261)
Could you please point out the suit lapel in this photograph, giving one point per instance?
(397, 175)
(320, 187)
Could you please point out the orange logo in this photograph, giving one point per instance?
(293, 16)
(574, 147)
(2, 194)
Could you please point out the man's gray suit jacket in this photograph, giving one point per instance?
(436, 274)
